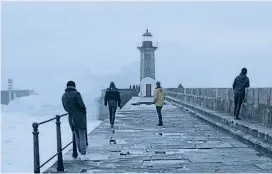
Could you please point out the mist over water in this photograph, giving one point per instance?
(18, 116)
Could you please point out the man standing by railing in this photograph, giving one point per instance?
(74, 105)
(159, 97)
(112, 98)
(240, 83)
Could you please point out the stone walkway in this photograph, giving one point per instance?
(183, 144)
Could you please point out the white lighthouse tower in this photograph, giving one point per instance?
(147, 67)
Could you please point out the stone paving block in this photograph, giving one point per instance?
(193, 151)
(206, 157)
(238, 144)
(204, 167)
(98, 156)
(265, 166)
(163, 163)
(135, 151)
(167, 157)
(106, 171)
(245, 158)
(251, 162)
(121, 163)
(239, 169)
(182, 145)
(213, 144)
(130, 157)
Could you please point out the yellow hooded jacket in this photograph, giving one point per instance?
(159, 97)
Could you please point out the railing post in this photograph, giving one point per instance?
(59, 146)
(36, 147)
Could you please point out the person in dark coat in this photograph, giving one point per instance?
(74, 105)
(240, 83)
(113, 99)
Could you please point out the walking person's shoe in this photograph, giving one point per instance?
(74, 155)
(78, 157)
(237, 118)
(84, 157)
(159, 124)
(111, 125)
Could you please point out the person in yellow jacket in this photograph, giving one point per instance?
(159, 97)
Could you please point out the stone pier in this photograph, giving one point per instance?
(183, 144)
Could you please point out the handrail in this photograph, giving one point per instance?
(36, 156)
(51, 119)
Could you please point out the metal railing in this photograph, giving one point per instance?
(36, 149)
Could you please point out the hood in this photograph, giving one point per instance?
(70, 88)
(160, 89)
(112, 85)
(112, 89)
(242, 77)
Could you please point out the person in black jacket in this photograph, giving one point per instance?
(240, 83)
(112, 98)
(74, 105)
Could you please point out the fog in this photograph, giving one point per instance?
(201, 44)
(46, 44)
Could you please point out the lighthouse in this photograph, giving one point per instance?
(147, 66)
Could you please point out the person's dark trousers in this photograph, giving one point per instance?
(159, 108)
(112, 110)
(86, 134)
(86, 137)
(238, 100)
(75, 154)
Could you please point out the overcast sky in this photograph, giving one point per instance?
(201, 44)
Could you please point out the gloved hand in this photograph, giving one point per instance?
(105, 104)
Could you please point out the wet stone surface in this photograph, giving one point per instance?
(183, 144)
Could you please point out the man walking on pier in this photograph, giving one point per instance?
(74, 105)
(159, 97)
(113, 99)
(240, 83)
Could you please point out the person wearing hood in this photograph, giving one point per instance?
(74, 105)
(113, 99)
(159, 97)
(240, 83)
